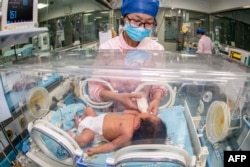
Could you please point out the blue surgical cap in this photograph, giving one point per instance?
(149, 7)
(200, 31)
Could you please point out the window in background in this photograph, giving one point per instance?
(232, 28)
(80, 28)
(172, 28)
(181, 25)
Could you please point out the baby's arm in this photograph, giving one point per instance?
(108, 147)
(133, 112)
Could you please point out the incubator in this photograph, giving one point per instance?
(205, 108)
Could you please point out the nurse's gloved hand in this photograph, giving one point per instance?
(153, 106)
(128, 100)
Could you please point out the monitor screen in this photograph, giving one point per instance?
(19, 11)
(17, 14)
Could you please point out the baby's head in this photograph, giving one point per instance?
(152, 130)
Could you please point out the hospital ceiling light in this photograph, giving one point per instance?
(170, 76)
(74, 67)
(105, 12)
(42, 5)
(88, 11)
(149, 80)
(188, 55)
(247, 6)
(149, 73)
(188, 71)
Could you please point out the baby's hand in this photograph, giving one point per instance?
(90, 151)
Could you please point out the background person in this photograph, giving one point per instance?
(205, 44)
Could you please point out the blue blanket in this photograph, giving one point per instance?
(173, 117)
(65, 116)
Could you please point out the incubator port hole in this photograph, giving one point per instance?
(219, 120)
(37, 97)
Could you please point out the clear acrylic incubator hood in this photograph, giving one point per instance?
(205, 107)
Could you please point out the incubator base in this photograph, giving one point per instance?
(42, 160)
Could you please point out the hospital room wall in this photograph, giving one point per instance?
(195, 5)
(64, 8)
(169, 46)
(225, 5)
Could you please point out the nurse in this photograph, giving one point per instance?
(205, 44)
(140, 19)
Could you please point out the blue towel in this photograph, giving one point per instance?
(59, 151)
(65, 116)
(177, 127)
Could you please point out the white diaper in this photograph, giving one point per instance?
(93, 123)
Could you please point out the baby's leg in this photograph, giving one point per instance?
(76, 119)
(89, 111)
(85, 137)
